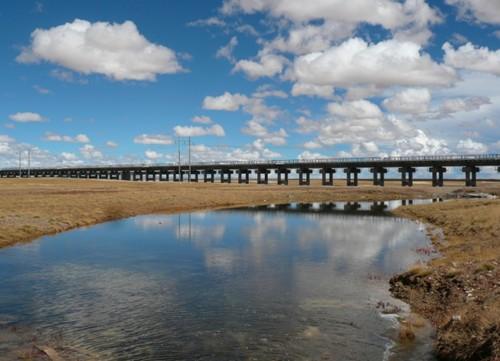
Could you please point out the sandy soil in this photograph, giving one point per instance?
(459, 291)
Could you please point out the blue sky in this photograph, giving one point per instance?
(116, 82)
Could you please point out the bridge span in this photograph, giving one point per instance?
(207, 171)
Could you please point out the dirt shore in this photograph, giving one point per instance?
(459, 291)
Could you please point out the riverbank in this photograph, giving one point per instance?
(459, 292)
(31, 208)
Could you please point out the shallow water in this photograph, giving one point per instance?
(293, 282)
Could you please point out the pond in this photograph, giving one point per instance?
(280, 282)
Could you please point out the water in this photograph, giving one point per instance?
(294, 282)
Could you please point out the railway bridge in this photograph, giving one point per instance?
(437, 166)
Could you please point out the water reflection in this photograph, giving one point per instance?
(278, 282)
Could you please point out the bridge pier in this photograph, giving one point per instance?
(352, 176)
(225, 175)
(245, 173)
(282, 176)
(92, 175)
(470, 175)
(114, 175)
(102, 175)
(82, 174)
(307, 172)
(126, 175)
(378, 175)
(137, 176)
(378, 206)
(352, 206)
(207, 173)
(150, 176)
(194, 173)
(265, 173)
(178, 176)
(406, 176)
(327, 176)
(437, 175)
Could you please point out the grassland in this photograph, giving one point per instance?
(459, 291)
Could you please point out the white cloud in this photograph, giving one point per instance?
(254, 151)
(266, 91)
(68, 156)
(211, 21)
(358, 109)
(410, 101)
(455, 105)
(266, 65)
(312, 145)
(420, 144)
(474, 58)
(79, 138)
(356, 63)
(256, 129)
(41, 90)
(111, 144)
(227, 101)
(26, 117)
(117, 51)
(486, 11)
(159, 139)
(411, 16)
(190, 131)
(202, 119)
(468, 146)
(4, 138)
(152, 155)
(226, 52)
(88, 151)
(322, 91)
(311, 155)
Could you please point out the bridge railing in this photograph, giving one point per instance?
(250, 163)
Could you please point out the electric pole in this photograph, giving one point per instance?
(20, 166)
(29, 162)
(189, 159)
(179, 155)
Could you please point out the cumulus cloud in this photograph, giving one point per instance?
(474, 58)
(256, 129)
(266, 91)
(486, 11)
(69, 156)
(111, 144)
(384, 64)
(226, 52)
(152, 155)
(411, 15)
(54, 137)
(88, 151)
(211, 21)
(266, 65)
(420, 144)
(202, 119)
(190, 131)
(468, 146)
(26, 117)
(227, 101)
(117, 51)
(322, 91)
(410, 101)
(311, 155)
(455, 105)
(158, 139)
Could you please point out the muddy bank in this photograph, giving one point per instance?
(31, 208)
(459, 292)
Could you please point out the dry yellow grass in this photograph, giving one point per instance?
(31, 208)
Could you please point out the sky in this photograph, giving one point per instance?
(98, 82)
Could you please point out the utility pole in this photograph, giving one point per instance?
(179, 155)
(29, 162)
(20, 153)
(189, 159)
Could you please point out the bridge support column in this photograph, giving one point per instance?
(82, 174)
(307, 172)
(92, 175)
(470, 175)
(437, 175)
(194, 173)
(150, 176)
(137, 176)
(327, 176)
(209, 176)
(102, 175)
(225, 175)
(260, 173)
(378, 175)
(163, 176)
(352, 176)
(178, 176)
(406, 176)
(282, 176)
(126, 175)
(243, 176)
(114, 175)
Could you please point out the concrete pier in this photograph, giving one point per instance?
(225, 175)
(378, 175)
(304, 176)
(209, 176)
(327, 176)
(263, 176)
(406, 176)
(243, 176)
(437, 175)
(282, 176)
(470, 175)
(352, 176)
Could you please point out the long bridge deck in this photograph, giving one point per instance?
(378, 166)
